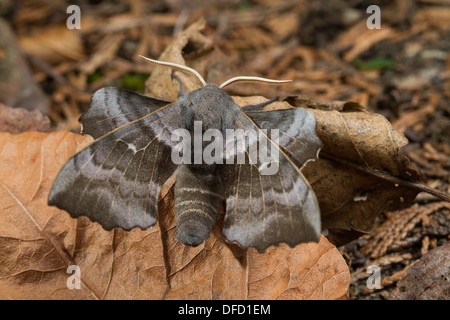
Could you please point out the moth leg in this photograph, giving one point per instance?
(182, 92)
(258, 106)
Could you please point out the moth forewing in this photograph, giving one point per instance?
(116, 180)
(114, 107)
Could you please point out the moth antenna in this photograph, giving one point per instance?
(251, 79)
(178, 67)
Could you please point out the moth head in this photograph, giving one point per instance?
(194, 73)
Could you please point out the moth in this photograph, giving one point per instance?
(116, 180)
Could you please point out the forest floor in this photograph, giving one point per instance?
(402, 72)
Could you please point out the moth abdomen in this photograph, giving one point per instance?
(198, 198)
(194, 226)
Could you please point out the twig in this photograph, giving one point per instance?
(384, 176)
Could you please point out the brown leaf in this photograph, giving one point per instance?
(159, 84)
(217, 270)
(360, 38)
(17, 120)
(53, 44)
(38, 243)
(427, 279)
(106, 51)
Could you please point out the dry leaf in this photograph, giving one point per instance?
(105, 53)
(17, 120)
(159, 84)
(427, 279)
(38, 243)
(54, 44)
(217, 270)
(359, 38)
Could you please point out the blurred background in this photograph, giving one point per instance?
(401, 71)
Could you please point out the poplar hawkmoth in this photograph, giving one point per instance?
(116, 180)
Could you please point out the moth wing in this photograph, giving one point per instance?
(297, 132)
(112, 108)
(117, 179)
(267, 209)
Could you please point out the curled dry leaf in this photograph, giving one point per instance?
(38, 243)
(360, 172)
(159, 84)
